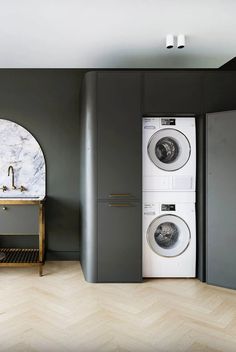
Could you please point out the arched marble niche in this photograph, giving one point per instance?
(21, 150)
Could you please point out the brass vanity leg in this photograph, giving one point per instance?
(41, 238)
(40, 269)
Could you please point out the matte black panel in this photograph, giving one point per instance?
(19, 219)
(221, 199)
(119, 134)
(173, 91)
(219, 91)
(119, 242)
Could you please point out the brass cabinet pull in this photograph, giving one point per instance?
(120, 205)
(119, 195)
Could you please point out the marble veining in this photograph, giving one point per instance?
(21, 150)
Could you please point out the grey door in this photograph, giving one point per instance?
(221, 199)
(119, 242)
(119, 134)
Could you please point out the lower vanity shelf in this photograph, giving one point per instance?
(21, 257)
(20, 217)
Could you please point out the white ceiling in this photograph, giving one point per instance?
(115, 33)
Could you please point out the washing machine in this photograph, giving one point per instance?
(169, 154)
(169, 235)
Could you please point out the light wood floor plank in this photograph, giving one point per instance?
(60, 312)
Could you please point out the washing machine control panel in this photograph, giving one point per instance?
(168, 122)
(149, 209)
(168, 207)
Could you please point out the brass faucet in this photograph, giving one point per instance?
(10, 169)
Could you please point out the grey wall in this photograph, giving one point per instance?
(46, 102)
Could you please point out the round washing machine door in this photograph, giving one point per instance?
(169, 149)
(168, 235)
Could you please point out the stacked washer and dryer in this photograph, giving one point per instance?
(169, 178)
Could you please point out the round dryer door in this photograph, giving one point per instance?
(168, 235)
(169, 149)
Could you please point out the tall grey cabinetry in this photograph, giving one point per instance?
(111, 172)
(221, 199)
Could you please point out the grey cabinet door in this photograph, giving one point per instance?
(119, 242)
(119, 134)
(173, 92)
(19, 219)
(219, 91)
(221, 199)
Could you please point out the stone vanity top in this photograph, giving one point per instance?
(22, 165)
(18, 201)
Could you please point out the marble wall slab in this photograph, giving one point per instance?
(20, 149)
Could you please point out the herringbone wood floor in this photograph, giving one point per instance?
(61, 312)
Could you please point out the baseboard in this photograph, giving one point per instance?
(62, 255)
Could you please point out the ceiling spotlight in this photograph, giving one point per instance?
(169, 41)
(181, 41)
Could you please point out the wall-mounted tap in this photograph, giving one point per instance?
(22, 188)
(11, 170)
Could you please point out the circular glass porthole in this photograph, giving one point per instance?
(168, 235)
(169, 149)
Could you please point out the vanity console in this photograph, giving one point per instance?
(22, 197)
(22, 217)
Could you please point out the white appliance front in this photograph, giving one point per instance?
(169, 154)
(169, 235)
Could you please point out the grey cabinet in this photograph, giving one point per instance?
(15, 219)
(173, 92)
(219, 91)
(111, 177)
(119, 245)
(119, 134)
(221, 199)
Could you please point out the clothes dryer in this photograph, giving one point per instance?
(169, 154)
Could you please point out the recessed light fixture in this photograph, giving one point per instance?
(169, 41)
(181, 41)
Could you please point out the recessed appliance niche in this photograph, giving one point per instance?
(169, 172)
